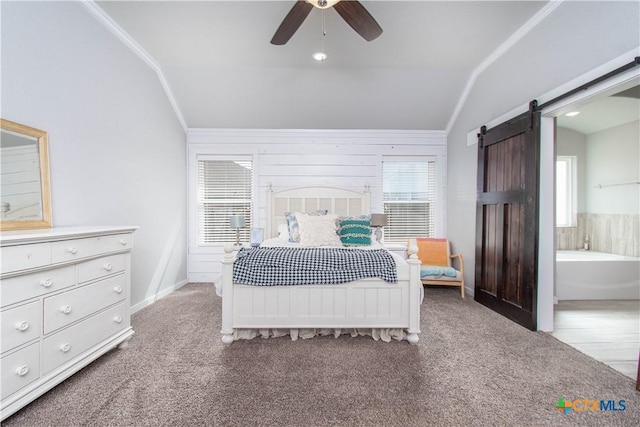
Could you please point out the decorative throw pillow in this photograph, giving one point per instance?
(432, 251)
(283, 232)
(318, 230)
(292, 222)
(355, 232)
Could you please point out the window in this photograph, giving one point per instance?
(566, 191)
(224, 189)
(409, 199)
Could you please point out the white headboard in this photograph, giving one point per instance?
(339, 201)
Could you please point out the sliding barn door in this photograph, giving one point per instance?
(507, 218)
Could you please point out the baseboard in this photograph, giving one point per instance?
(148, 301)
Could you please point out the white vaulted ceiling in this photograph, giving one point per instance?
(600, 114)
(223, 72)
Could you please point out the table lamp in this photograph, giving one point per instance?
(378, 221)
(237, 222)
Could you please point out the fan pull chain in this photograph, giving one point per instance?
(321, 56)
(324, 31)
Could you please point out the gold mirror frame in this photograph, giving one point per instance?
(43, 220)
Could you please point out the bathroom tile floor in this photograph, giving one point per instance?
(608, 331)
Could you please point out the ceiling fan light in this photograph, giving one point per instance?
(319, 56)
(323, 4)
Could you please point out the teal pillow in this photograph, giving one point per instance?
(355, 232)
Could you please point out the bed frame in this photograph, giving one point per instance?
(366, 303)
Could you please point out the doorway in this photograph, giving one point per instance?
(597, 253)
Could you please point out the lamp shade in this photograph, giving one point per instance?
(378, 220)
(236, 221)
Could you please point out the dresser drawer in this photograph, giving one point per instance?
(20, 288)
(20, 325)
(68, 250)
(20, 369)
(24, 257)
(65, 308)
(101, 267)
(63, 346)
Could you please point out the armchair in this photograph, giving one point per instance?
(436, 267)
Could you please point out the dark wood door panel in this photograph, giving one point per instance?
(513, 253)
(507, 218)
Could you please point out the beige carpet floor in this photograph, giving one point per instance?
(472, 367)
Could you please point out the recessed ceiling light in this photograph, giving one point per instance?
(572, 113)
(319, 56)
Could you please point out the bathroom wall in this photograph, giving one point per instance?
(572, 143)
(609, 215)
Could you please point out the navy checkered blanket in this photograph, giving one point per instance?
(271, 266)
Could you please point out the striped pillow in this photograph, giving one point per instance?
(355, 232)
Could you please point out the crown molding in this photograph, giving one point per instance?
(502, 49)
(124, 37)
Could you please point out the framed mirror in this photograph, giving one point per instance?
(25, 195)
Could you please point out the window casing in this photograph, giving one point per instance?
(224, 189)
(566, 191)
(409, 197)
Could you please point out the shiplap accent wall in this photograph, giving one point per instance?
(296, 158)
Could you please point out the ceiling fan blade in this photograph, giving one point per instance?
(354, 13)
(291, 22)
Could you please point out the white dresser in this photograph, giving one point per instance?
(64, 301)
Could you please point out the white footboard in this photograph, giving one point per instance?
(370, 303)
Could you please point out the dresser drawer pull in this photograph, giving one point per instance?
(117, 289)
(65, 347)
(46, 282)
(117, 319)
(72, 250)
(22, 326)
(123, 242)
(21, 371)
(107, 266)
(66, 309)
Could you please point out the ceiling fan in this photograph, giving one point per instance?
(351, 11)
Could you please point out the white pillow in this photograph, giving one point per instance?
(318, 230)
(283, 232)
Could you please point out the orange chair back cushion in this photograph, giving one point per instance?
(433, 251)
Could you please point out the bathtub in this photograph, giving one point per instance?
(588, 275)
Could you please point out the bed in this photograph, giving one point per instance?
(365, 306)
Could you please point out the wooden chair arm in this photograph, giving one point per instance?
(460, 260)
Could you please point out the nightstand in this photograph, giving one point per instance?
(399, 249)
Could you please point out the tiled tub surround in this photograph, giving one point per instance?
(609, 233)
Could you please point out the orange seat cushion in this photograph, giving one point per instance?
(433, 251)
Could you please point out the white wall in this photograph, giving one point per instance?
(609, 156)
(117, 152)
(613, 156)
(576, 38)
(297, 158)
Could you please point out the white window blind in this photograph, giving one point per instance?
(224, 189)
(408, 195)
(566, 191)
